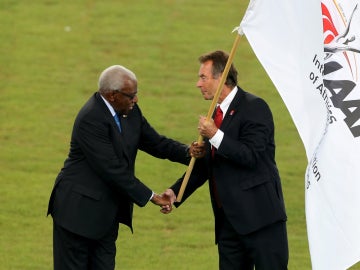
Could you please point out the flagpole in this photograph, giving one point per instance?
(209, 114)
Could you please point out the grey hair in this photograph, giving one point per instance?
(113, 78)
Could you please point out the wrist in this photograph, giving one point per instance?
(154, 198)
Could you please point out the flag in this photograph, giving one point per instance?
(311, 52)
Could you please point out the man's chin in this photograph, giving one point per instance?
(125, 112)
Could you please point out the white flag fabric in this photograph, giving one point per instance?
(311, 52)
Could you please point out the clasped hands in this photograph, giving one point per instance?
(166, 200)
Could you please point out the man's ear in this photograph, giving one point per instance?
(110, 96)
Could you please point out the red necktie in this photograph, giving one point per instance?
(218, 116)
(217, 120)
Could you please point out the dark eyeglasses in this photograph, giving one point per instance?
(130, 96)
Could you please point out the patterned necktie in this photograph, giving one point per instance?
(117, 120)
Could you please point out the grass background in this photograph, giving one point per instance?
(51, 54)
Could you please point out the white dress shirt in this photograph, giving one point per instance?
(224, 106)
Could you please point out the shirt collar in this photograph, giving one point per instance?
(111, 109)
(224, 106)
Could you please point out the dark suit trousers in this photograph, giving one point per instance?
(266, 249)
(75, 252)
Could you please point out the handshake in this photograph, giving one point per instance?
(165, 200)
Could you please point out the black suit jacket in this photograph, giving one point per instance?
(244, 168)
(97, 186)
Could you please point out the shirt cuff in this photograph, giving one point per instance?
(152, 195)
(217, 139)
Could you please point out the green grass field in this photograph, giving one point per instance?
(51, 54)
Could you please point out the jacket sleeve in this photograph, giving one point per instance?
(160, 146)
(198, 177)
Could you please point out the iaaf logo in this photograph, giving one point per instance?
(341, 65)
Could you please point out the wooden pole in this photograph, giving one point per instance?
(210, 113)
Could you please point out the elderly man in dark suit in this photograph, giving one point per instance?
(245, 188)
(96, 188)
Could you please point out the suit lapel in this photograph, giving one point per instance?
(233, 109)
(118, 137)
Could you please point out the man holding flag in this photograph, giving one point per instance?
(245, 188)
(314, 65)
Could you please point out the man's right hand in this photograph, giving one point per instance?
(163, 201)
